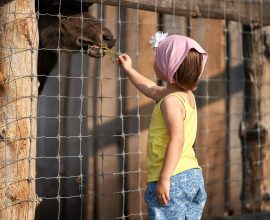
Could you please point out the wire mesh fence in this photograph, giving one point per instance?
(90, 157)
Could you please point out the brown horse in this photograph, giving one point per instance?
(67, 25)
(64, 26)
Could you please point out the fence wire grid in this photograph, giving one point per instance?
(92, 123)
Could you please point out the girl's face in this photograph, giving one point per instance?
(158, 72)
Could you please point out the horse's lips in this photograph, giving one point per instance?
(95, 51)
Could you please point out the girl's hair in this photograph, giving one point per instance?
(189, 71)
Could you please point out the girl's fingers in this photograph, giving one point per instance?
(167, 197)
(163, 199)
(121, 58)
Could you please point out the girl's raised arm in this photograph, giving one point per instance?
(145, 85)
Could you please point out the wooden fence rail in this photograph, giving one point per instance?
(254, 12)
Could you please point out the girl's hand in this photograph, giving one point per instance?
(125, 61)
(163, 191)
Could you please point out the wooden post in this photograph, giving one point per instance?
(18, 102)
(252, 132)
(265, 121)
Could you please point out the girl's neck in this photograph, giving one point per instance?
(171, 87)
(188, 95)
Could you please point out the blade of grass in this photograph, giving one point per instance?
(109, 52)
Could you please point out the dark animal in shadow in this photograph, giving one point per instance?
(64, 25)
(75, 30)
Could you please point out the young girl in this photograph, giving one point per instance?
(175, 187)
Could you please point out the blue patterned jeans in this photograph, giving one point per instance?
(187, 198)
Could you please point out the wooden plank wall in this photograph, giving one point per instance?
(236, 95)
(105, 146)
(211, 121)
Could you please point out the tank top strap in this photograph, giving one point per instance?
(181, 98)
(178, 96)
(185, 103)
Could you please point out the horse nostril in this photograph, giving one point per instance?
(107, 38)
(112, 43)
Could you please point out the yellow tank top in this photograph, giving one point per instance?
(158, 139)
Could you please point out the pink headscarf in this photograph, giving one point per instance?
(171, 52)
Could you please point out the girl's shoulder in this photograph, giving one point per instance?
(187, 98)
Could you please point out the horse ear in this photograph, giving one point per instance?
(86, 5)
(55, 7)
(69, 7)
(81, 3)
